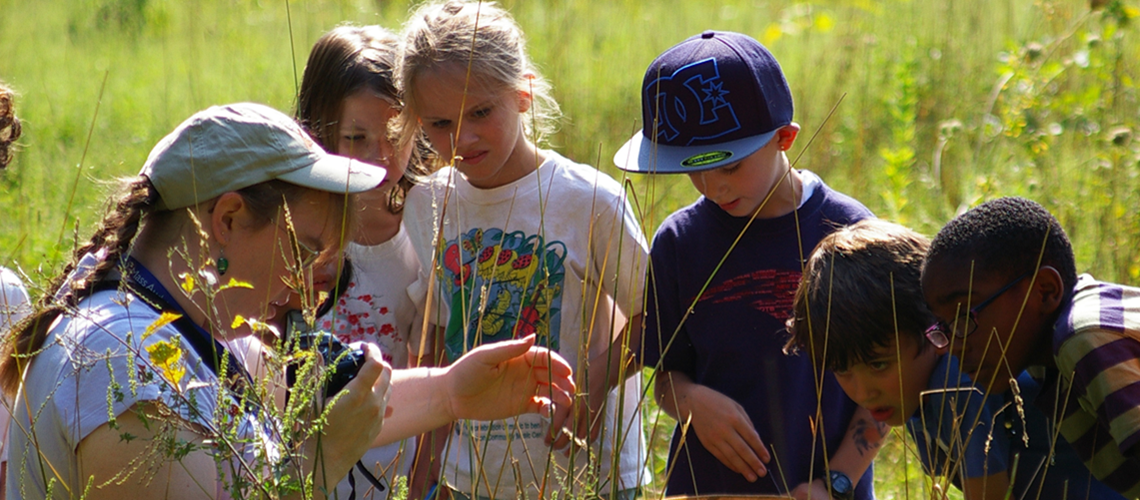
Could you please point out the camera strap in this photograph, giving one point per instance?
(139, 280)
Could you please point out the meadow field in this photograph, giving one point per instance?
(939, 105)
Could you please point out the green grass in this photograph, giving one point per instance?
(947, 103)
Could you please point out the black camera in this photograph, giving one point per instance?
(341, 361)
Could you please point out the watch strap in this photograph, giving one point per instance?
(840, 485)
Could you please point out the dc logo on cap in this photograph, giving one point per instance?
(691, 105)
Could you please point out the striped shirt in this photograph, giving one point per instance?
(1096, 387)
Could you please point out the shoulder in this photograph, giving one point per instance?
(570, 176)
(425, 201)
(684, 221)
(110, 341)
(1101, 319)
(14, 301)
(430, 188)
(837, 206)
(11, 286)
(106, 317)
(1102, 305)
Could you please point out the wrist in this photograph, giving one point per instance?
(839, 485)
(445, 402)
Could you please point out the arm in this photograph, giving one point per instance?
(491, 382)
(195, 476)
(353, 421)
(430, 446)
(855, 454)
(721, 424)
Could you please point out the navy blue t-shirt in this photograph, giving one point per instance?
(733, 340)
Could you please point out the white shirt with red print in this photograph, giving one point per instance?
(376, 308)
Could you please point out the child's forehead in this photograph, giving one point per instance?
(903, 342)
(949, 274)
(461, 77)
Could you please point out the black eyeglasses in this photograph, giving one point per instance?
(939, 333)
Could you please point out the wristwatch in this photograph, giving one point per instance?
(841, 487)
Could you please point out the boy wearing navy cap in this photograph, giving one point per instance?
(722, 276)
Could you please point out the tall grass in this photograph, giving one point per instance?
(947, 103)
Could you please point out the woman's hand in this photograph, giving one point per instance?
(357, 415)
(492, 382)
(509, 378)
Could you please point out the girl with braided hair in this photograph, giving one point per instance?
(123, 383)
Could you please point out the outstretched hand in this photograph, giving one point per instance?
(505, 379)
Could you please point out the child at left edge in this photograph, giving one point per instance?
(717, 108)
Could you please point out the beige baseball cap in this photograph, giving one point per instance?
(226, 148)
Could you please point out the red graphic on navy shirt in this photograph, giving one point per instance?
(768, 290)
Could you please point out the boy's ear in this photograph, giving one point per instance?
(1051, 288)
(786, 136)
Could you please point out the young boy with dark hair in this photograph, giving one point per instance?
(722, 273)
(1002, 281)
(859, 311)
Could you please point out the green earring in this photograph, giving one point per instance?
(223, 264)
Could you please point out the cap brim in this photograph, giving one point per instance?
(337, 174)
(639, 154)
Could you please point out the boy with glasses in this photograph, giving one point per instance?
(1082, 334)
(859, 312)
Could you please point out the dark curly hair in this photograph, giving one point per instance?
(9, 125)
(1004, 237)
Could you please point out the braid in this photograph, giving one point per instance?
(114, 236)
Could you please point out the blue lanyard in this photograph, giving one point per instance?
(142, 282)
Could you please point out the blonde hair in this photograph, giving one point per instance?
(483, 35)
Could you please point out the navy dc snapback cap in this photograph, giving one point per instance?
(708, 101)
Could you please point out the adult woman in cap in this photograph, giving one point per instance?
(101, 359)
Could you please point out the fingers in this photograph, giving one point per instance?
(371, 372)
(752, 439)
(552, 399)
(550, 362)
(725, 429)
(746, 451)
(748, 459)
(559, 436)
(498, 352)
(735, 455)
(551, 369)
